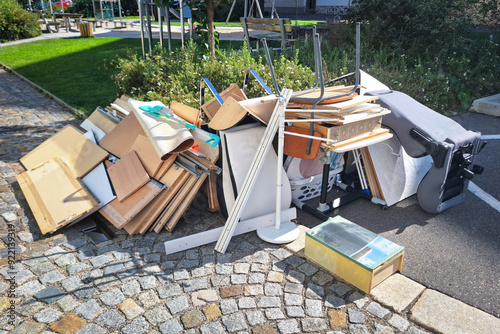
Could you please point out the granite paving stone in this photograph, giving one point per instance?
(48, 315)
(193, 318)
(314, 308)
(358, 329)
(130, 308)
(274, 313)
(92, 329)
(157, 315)
(50, 294)
(89, 310)
(398, 322)
(273, 289)
(295, 312)
(288, 326)
(52, 277)
(132, 288)
(68, 303)
(355, 317)
(28, 307)
(149, 298)
(178, 304)
(171, 326)
(377, 310)
(194, 284)
(29, 289)
(69, 324)
(170, 290)
(228, 306)
(212, 328)
(27, 327)
(293, 299)
(137, 326)
(112, 318)
(112, 297)
(313, 324)
(212, 311)
(65, 260)
(235, 322)
(75, 268)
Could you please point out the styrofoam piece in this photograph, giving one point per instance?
(287, 232)
(206, 237)
(89, 126)
(241, 148)
(98, 183)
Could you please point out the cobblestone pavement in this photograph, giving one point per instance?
(66, 284)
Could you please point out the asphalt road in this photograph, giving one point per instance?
(456, 252)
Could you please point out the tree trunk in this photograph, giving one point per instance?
(211, 30)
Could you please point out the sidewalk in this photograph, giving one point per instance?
(130, 285)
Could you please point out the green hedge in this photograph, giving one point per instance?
(16, 23)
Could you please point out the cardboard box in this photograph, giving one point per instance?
(360, 257)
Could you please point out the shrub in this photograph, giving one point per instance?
(166, 77)
(16, 23)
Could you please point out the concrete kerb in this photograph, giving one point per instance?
(428, 308)
(76, 112)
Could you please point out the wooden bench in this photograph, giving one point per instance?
(47, 23)
(278, 30)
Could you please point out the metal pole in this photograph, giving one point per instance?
(272, 9)
(141, 16)
(169, 29)
(150, 32)
(181, 4)
(231, 11)
(161, 26)
(245, 12)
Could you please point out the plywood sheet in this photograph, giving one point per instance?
(119, 213)
(56, 197)
(211, 107)
(127, 175)
(398, 173)
(166, 136)
(119, 141)
(185, 203)
(187, 113)
(147, 154)
(176, 201)
(147, 216)
(102, 121)
(165, 166)
(230, 114)
(78, 152)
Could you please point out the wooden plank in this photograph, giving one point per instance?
(124, 104)
(213, 200)
(206, 237)
(187, 113)
(267, 21)
(185, 203)
(103, 121)
(79, 153)
(119, 141)
(174, 203)
(144, 219)
(362, 141)
(165, 166)
(230, 114)
(373, 181)
(211, 107)
(261, 108)
(127, 176)
(119, 213)
(56, 197)
(268, 27)
(147, 155)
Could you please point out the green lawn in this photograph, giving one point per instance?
(77, 70)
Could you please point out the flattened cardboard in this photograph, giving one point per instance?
(127, 176)
(78, 152)
(147, 154)
(56, 197)
(119, 213)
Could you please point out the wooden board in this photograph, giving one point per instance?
(211, 107)
(333, 99)
(122, 102)
(119, 141)
(261, 108)
(119, 213)
(181, 191)
(213, 200)
(373, 182)
(103, 121)
(56, 197)
(144, 219)
(78, 152)
(187, 113)
(165, 166)
(185, 203)
(358, 100)
(127, 176)
(360, 141)
(147, 154)
(230, 114)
